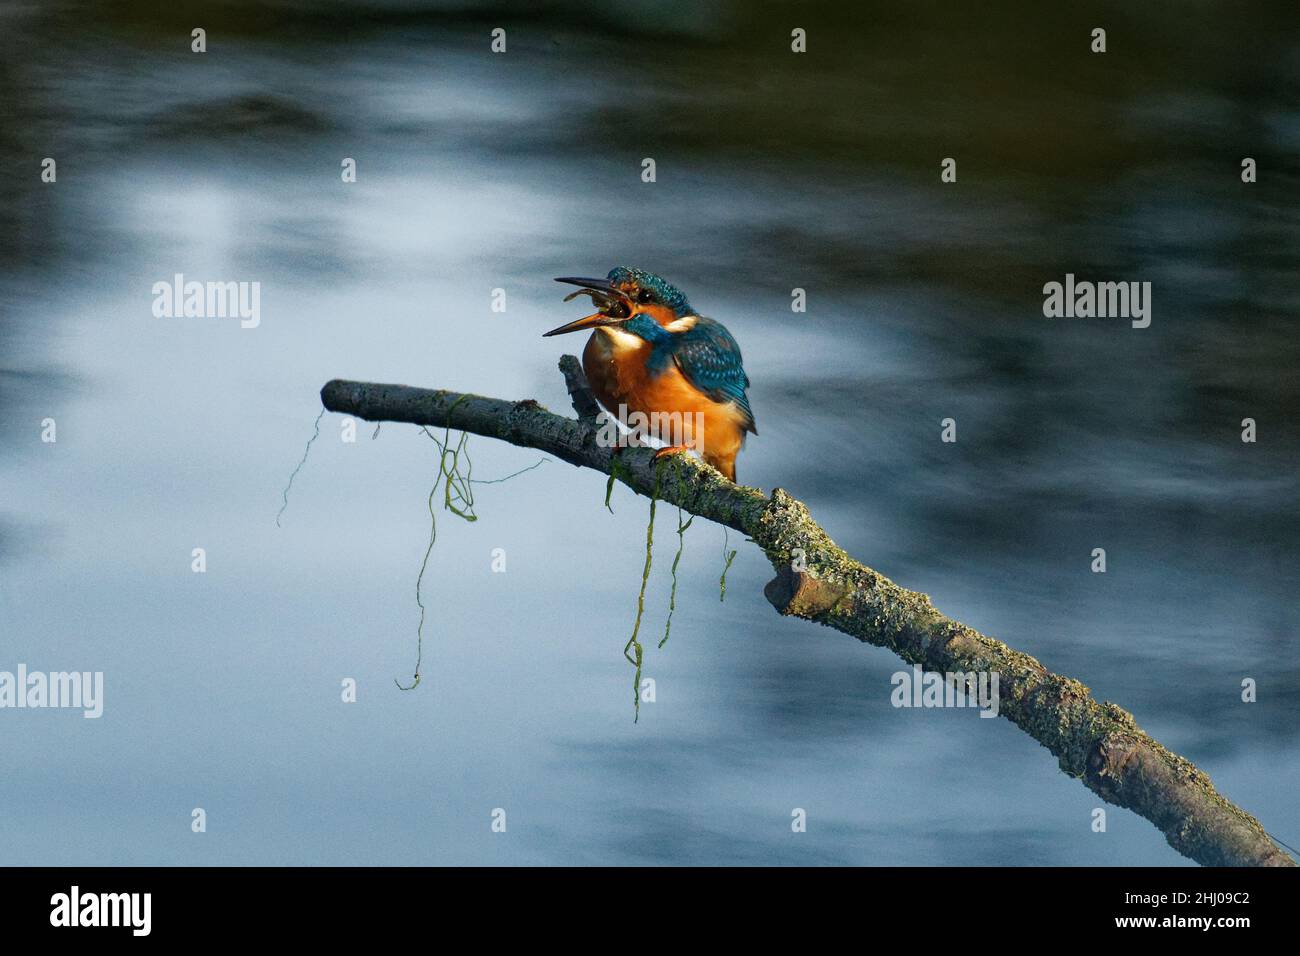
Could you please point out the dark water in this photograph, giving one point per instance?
(774, 171)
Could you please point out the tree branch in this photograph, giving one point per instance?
(1098, 743)
(580, 393)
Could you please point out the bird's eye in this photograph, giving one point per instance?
(643, 296)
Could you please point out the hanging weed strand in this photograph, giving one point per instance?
(615, 464)
(513, 474)
(419, 630)
(458, 496)
(681, 544)
(284, 495)
(633, 643)
(458, 499)
(727, 557)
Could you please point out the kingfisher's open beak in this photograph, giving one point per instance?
(604, 285)
(613, 305)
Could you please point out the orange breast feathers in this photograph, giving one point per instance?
(615, 364)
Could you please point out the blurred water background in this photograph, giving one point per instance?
(479, 171)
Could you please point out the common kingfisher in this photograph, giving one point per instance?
(652, 353)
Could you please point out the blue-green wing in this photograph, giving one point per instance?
(710, 359)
